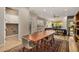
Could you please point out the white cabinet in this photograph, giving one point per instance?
(11, 18)
(11, 15)
(11, 22)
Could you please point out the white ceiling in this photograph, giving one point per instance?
(49, 12)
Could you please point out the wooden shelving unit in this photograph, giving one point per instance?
(77, 27)
(77, 36)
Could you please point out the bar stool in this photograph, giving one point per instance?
(41, 44)
(52, 40)
(38, 45)
(48, 41)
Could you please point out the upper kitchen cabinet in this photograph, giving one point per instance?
(11, 15)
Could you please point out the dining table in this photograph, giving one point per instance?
(35, 37)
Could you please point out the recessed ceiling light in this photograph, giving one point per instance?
(65, 9)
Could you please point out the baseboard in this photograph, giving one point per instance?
(16, 35)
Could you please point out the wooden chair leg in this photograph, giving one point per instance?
(23, 49)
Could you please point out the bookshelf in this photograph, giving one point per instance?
(77, 27)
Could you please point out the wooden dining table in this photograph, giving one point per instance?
(38, 36)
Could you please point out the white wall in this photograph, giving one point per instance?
(33, 24)
(24, 16)
(1, 25)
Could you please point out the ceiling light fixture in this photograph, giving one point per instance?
(65, 9)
